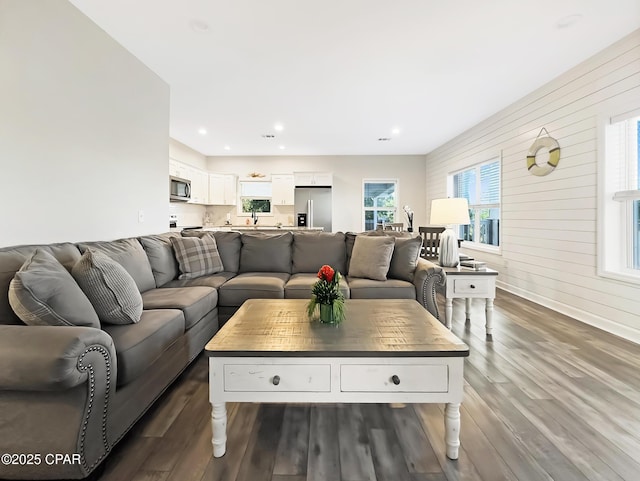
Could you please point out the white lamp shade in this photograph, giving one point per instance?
(449, 211)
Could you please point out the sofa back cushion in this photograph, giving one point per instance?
(11, 260)
(312, 250)
(161, 256)
(130, 255)
(266, 252)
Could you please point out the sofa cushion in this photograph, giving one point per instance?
(12, 258)
(299, 286)
(130, 255)
(389, 289)
(213, 280)
(371, 257)
(266, 252)
(253, 285)
(405, 258)
(109, 287)
(229, 245)
(161, 257)
(139, 345)
(43, 293)
(194, 302)
(197, 256)
(312, 250)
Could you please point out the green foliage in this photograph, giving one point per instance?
(325, 292)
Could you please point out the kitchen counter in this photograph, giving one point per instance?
(268, 228)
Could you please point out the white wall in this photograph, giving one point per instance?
(84, 130)
(188, 214)
(348, 173)
(549, 223)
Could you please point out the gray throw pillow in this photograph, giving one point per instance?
(371, 257)
(43, 293)
(161, 257)
(110, 288)
(197, 256)
(405, 258)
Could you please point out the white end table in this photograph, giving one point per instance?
(465, 283)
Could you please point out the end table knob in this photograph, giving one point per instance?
(395, 379)
(472, 286)
(276, 380)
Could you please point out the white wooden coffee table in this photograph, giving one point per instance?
(386, 351)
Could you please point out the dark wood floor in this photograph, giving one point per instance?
(549, 398)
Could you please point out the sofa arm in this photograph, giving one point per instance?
(56, 388)
(427, 278)
(45, 358)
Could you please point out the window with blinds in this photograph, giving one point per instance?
(255, 197)
(480, 185)
(619, 229)
(379, 203)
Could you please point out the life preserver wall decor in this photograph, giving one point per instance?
(552, 146)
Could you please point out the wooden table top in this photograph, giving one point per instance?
(372, 328)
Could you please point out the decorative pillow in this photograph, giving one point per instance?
(371, 257)
(43, 293)
(405, 258)
(197, 256)
(110, 288)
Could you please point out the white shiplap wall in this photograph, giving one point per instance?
(548, 251)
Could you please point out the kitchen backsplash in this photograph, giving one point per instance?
(283, 214)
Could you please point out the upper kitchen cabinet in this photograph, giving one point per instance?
(178, 169)
(313, 179)
(283, 188)
(222, 189)
(199, 186)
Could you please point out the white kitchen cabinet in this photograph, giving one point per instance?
(306, 179)
(178, 169)
(199, 186)
(222, 189)
(282, 189)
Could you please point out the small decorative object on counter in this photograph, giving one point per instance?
(409, 212)
(327, 295)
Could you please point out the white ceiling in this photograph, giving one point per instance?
(339, 74)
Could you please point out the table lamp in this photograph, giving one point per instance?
(448, 212)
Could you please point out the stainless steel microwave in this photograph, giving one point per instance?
(179, 189)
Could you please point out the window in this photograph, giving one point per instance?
(619, 195)
(255, 197)
(380, 203)
(480, 185)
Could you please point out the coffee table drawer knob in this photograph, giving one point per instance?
(472, 286)
(395, 379)
(276, 380)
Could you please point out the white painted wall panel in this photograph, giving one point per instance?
(84, 130)
(548, 251)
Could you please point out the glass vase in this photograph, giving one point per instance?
(326, 314)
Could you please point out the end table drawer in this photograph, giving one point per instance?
(479, 287)
(277, 378)
(394, 378)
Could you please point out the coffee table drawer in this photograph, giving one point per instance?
(394, 378)
(477, 286)
(277, 378)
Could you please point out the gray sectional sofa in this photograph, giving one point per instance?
(77, 390)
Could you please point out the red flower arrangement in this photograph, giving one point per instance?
(326, 294)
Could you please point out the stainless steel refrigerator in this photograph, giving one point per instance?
(316, 203)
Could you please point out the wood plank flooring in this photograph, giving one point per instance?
(549, 398)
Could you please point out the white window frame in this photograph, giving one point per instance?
(488, 159)
(240, 213)
(615, 202)
(380, 181)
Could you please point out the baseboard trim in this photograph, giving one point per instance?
(607, 325)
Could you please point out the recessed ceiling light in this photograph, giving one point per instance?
(268, 136)
(199, 26)
(384, 139)
(226, 147)
(395, 131)
(281, 147)
(278, 127)
(202, 131)
(568, 21)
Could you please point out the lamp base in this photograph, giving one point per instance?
(448, 255)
